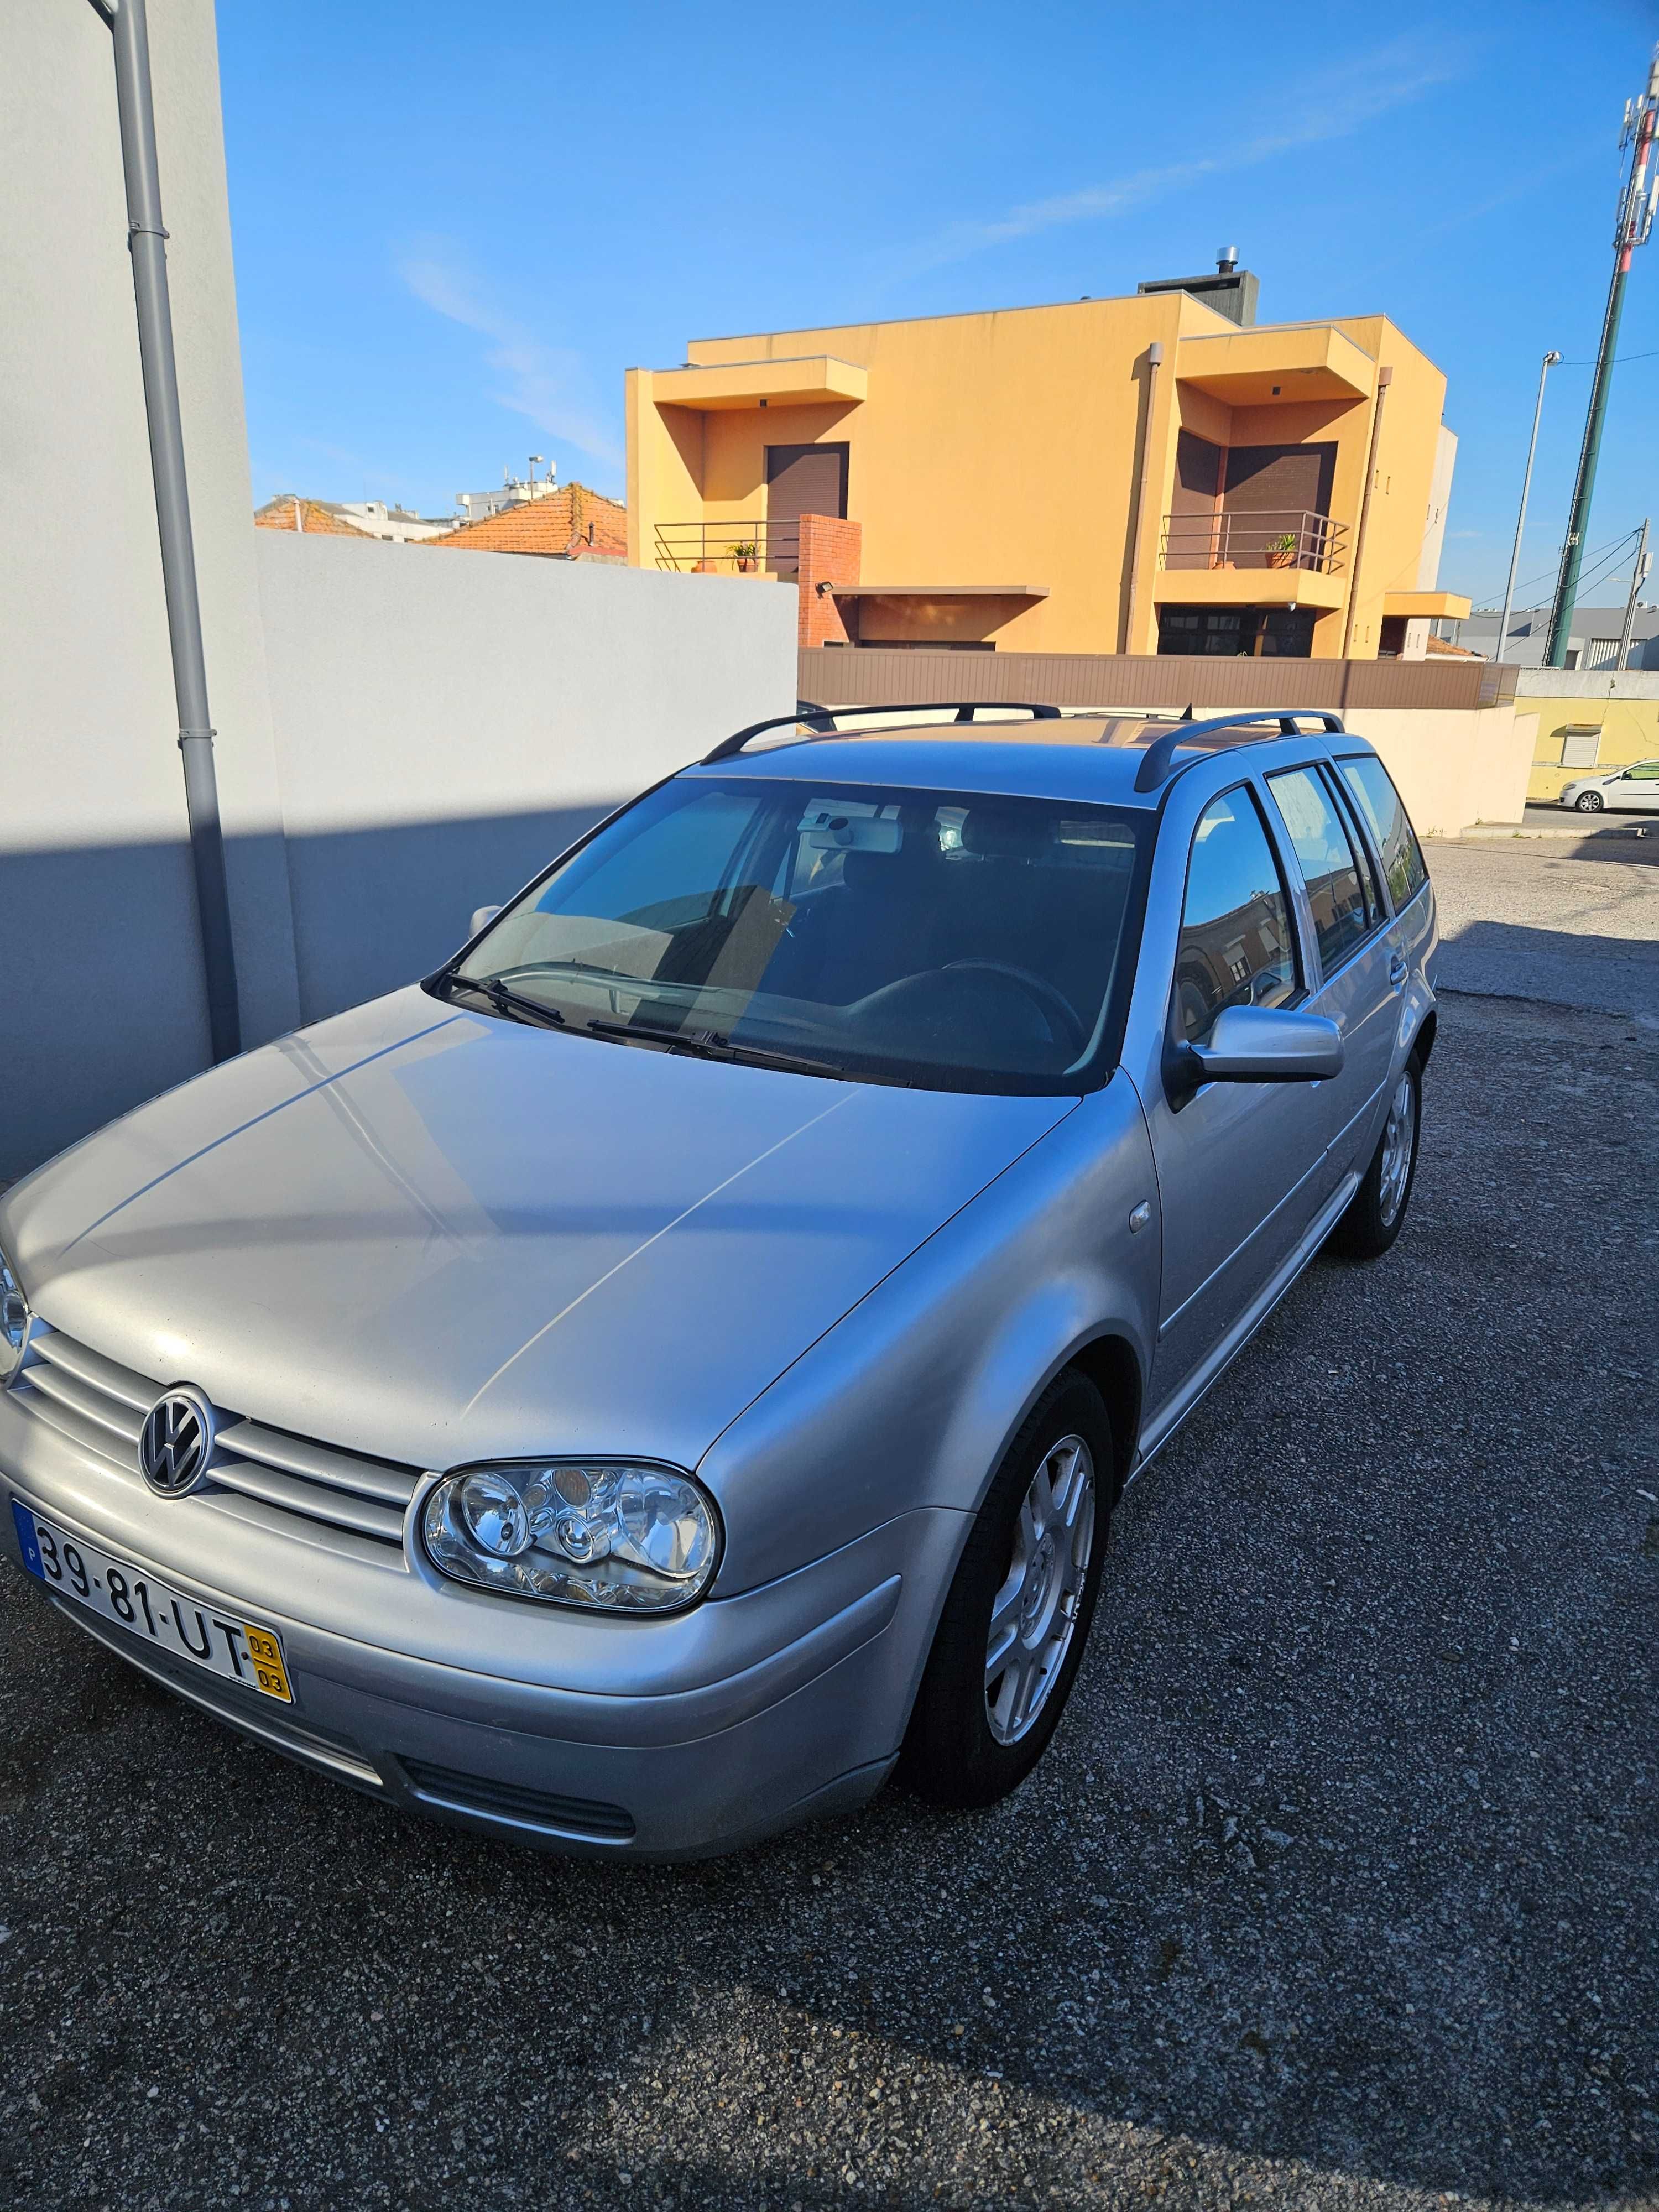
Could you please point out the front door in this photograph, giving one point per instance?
(1637, 787)
(800, 480)
(1237, 1162)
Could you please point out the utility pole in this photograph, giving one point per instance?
(1638, 576)
(1636, 211)
(1551, 360)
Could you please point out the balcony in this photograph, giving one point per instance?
(1262, 537)
(742, 548)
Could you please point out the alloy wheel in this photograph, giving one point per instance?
(1035, 1613)
(1399, 1142)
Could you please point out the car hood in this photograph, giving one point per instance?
(433, 1237)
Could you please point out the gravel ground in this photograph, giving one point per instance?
(1579, 926)
(1336, 1888)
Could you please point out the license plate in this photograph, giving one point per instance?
(236, 1651)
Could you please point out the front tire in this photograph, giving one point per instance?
(1011, 1639)
(1376, 1212)
(1588, 802)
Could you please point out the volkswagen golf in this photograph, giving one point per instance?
(674, 1367)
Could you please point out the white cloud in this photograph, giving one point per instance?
(546, 384)
(1334, 103)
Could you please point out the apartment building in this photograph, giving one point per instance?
(1154, 473)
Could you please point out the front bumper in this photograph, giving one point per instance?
(665, 1738)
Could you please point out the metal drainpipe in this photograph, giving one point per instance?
(146, 241)
(1384, 379)
(1154, 363)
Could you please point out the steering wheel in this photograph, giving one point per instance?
(1058, 1009)
(1053, 1000)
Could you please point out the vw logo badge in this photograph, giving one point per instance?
(175, 1445)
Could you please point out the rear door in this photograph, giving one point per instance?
(1359, 976)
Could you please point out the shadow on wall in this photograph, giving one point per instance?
(115, 1012)
(375, 908)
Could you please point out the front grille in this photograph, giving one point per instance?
(512, 1800)
(259, 1473)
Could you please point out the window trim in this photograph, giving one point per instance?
(1367, 850)
(1351, 952)
(1295, 900)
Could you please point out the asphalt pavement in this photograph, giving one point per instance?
(1574, 924)
(1336, 1888)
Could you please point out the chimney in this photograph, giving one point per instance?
(1231, 291)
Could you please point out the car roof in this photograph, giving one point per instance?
(1092, 758)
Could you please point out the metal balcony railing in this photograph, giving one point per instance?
(741, 548)
(1262, 537)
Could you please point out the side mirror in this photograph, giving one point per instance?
(1256, 1044)
(481, 918)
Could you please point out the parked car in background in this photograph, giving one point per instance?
(677, 1364)
(1635, 786)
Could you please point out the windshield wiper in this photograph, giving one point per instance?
(711, 1044)
(506, 1001)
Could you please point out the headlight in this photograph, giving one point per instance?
(15, 1321)
(614, 1537)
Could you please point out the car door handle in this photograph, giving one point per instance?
(1398, 971)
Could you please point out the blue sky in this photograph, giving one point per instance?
(455, 227)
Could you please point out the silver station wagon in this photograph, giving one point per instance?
(674, 1367)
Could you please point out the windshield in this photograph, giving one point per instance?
(949, 939)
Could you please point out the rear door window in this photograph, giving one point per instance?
(1396, 841)
(1325, 854)
(1237, 942)
(1376, 913)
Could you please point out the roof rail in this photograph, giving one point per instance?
(1158, 762)
(822, 720)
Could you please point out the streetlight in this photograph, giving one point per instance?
(1550, 361)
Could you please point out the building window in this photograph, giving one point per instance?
(1581, 744)
(1254, 633)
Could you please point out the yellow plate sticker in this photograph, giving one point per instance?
(269, 1671)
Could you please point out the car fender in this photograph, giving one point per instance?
(912, 1399)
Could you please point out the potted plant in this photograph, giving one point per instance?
(1281, 550)
(746, 553)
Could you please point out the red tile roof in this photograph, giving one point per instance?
(288, 511)
(571, 524)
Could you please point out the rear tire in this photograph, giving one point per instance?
(1012, 1636)
(1376, 1212)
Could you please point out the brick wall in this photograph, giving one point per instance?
(830, 552)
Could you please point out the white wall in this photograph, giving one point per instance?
(95, 894)
(447, 722)
(1454, 770)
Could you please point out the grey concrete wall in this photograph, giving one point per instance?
(447, 722)
(103, 1001)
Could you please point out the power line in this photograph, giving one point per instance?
(1609, 545)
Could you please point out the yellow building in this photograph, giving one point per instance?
(1586, 724)
(1129, 475)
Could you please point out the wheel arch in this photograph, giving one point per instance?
(1422, 1043)
(1110, 1363)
